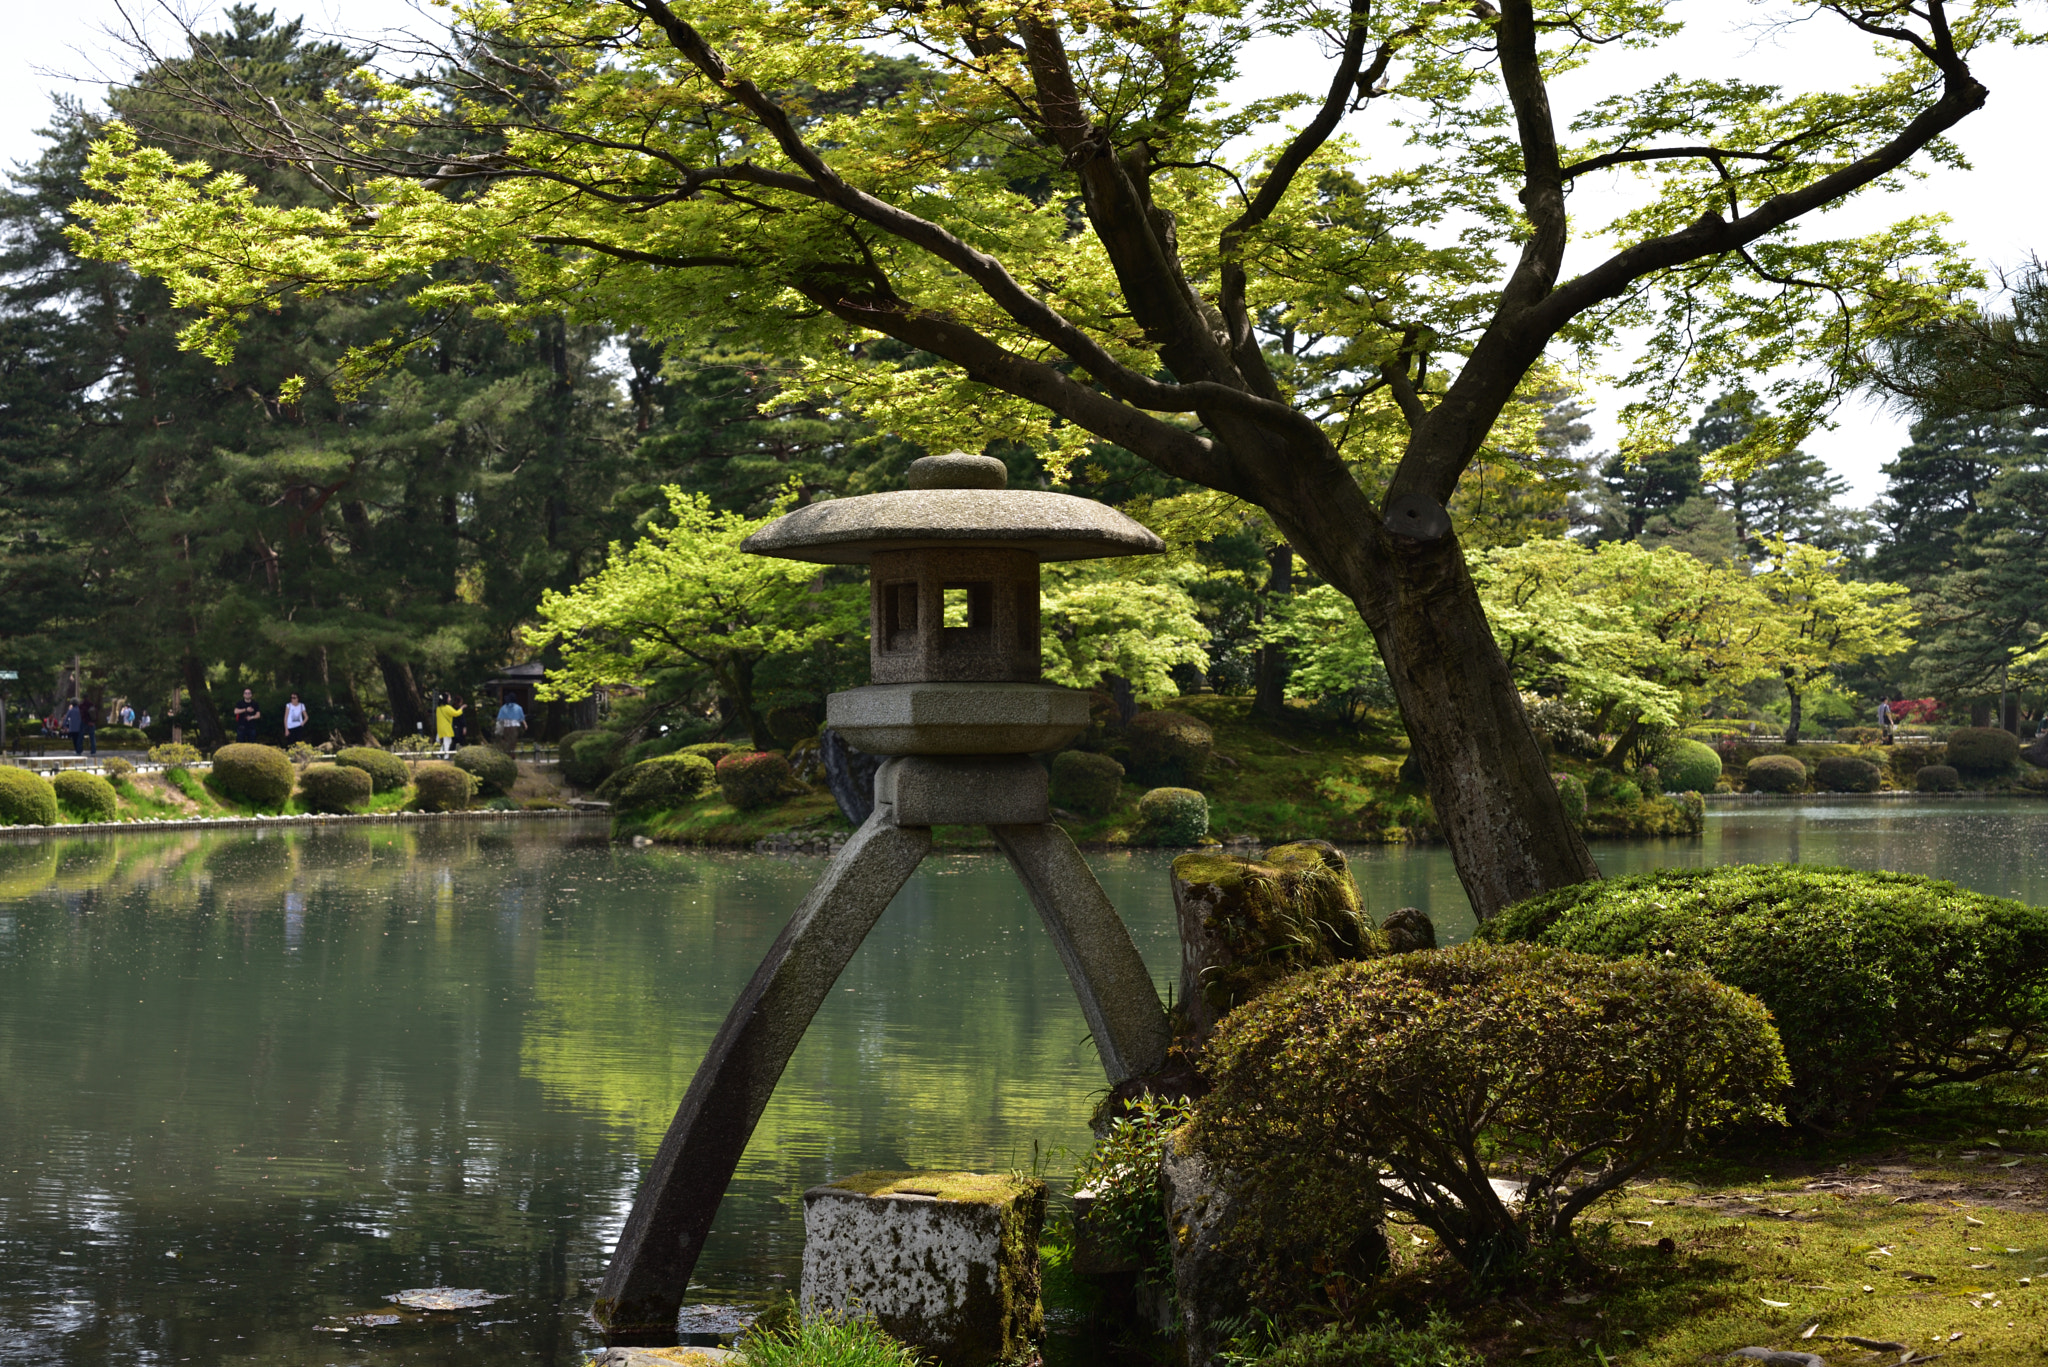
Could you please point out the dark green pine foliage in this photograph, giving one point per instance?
(1628, 494)
(1792, 498)
(1993, 598)
(1933, 485)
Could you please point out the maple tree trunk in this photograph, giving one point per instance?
(1792, 726)
(1270, 696)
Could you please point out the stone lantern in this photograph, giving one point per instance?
(958, 707)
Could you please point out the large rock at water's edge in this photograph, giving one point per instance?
(944, 1261)
(1247, 923)
(1208, 1279)
(850, 775)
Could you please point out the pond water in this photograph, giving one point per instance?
(253, 1084)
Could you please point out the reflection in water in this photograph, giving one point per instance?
(254, 1083)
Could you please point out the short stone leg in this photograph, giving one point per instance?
(1117, 997)
(650, 1269)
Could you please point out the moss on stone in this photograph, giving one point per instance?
(978, 1188)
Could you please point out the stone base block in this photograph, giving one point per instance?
(957, 718)
(984, 790)
(944, 1261)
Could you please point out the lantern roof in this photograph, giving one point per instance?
(955, 501)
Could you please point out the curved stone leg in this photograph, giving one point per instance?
(650, 1268)
(1115, 988)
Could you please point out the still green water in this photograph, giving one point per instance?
(252, 1084)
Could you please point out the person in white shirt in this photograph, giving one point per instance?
(294, 720)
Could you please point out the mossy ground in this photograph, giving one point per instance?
(1271, 781)
(1929, 1232)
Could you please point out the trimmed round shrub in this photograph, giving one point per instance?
(25, 798)
(1572, 793)
(438, 786)
(117, 767)
(1877, 981)
(1082, 782)
(494, 771)
(1846, 774)
(123, 737)
(1774, 774)
(654, 784)
(715, 750)
(1172, 816)
(788, 725)
(587, 758)
(174, 754)
(755, 778)
(1937, 778)
(1688, 767)
(388, 773)
(336, 788)
(1169, 747)
(1428, 1065)
(260, 775)
(1982, 751)
(85, 797)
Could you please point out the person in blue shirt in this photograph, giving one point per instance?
(511, 721)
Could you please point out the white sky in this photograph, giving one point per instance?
(1995, 206)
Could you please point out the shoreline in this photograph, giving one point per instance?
(290, 822)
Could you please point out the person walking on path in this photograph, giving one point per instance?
(247, 714)
(1885, 720)
(444, 723)
(294, 720)
(89, 722)
(74, 726)
(511, 721)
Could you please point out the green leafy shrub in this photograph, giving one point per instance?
(259, 775)
(655, 784)
(1169, 747)
(123, 738)
(415, 744)
(828, 1341)
(1427, 1068)
(336, 788)
(1385, 1343)
(1983, 751)
(1907, 760)
(1688, 766)
(1572, 793)
(1118, 1193)
(174, 754)
(438, 786)
(494, 771)
(788, 725)
(754, 779)
(715, 750)
(302, 752)
(1774, 774)
(117, 767)
(587, 758)
(1877, 981)
(1625, 793)
(388, 773)
(1841, 774)
(1082, 782)
(1937, 778)
(26, 798)
(85, 797)
(1172, 816)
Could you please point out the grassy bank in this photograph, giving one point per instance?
(192, 795)
(1269, 781)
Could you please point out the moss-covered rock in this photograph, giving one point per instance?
(85, 797)
(1247, 923)
(1170, 748)
(1774, 774)
(1084, 782)
(388, 773)
(1172, 816)
(335, 788)
(441, 787)
(494, 771)
(260, 775)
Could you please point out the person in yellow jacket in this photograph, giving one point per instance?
(444, 723)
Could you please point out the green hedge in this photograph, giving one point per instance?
(659, 784)
(587, 758)
(1169, 747)
(1083, 782)
(754, 779)
(259, 775)
(1983, 751)
(1878, 981)
(1688, 766)
(85, 797)
(1172, 816)
(438, 786)
(494, 771)
(1774, 774)
(335, 788)
(1844, 775)
(26, 798)
(1937, 778)
(388, 773)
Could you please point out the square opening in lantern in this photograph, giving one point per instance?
(899, 615)
(969, 614)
